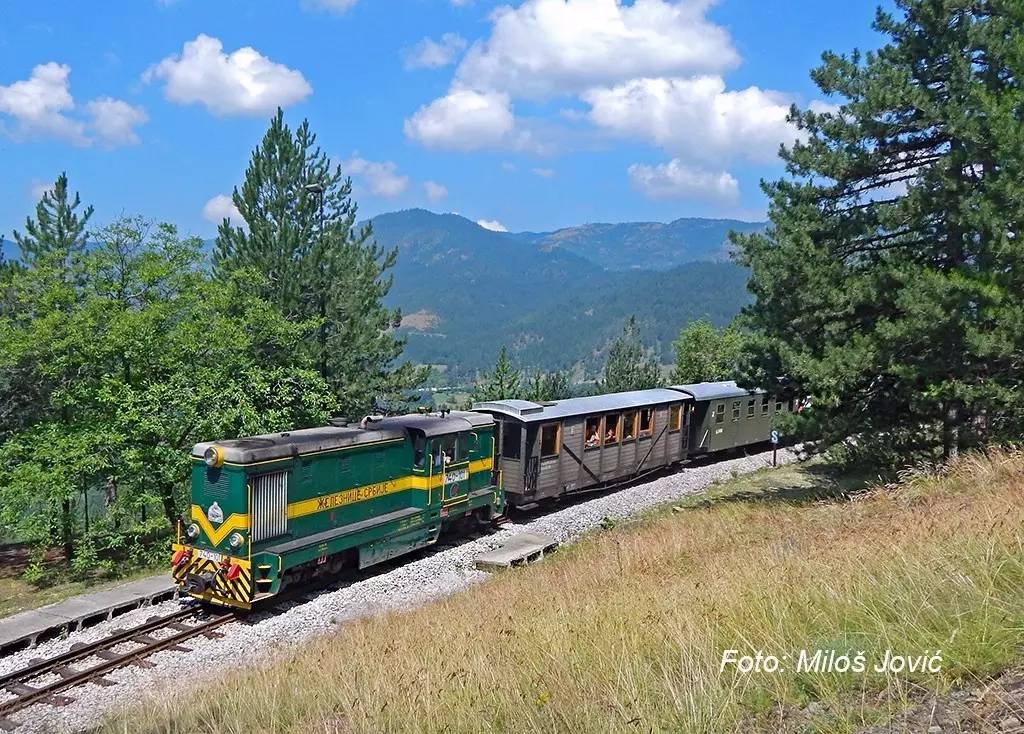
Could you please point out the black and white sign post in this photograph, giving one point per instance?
(774, 438)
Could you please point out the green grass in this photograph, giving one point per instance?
(18, 595)
(625, 631)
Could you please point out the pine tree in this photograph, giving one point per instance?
(300, 233)
(542, 387)
(889, 284)
(57, 229)
(627, 368)
(705, 354)
(503, 383)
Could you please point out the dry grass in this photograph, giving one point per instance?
(625, 631)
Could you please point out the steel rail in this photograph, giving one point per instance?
(80, 651)
(27, 695)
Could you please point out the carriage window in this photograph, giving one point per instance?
(549, 439)
(720, 413)
(764, 406)
(593, 433)
(612, 422)
(511, 433)
(750, 408)
(736, 410)
(628, 426)
(791, 404)
(646, 422)
(675, 417)
(419, 451)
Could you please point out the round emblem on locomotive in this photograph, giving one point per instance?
(215, 514)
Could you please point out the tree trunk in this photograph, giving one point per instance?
(951, 432)
(170, 511)
(67, 531)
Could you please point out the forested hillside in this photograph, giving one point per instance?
(465, 291)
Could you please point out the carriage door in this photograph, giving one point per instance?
(531, 467)
(454, 469)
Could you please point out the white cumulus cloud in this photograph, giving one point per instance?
(543, 172)
(696, 118)
(492, 224)
(462, 120)
(43, 106)
(676, 180)
(114, 121)
(434, 191)
(431, 54)
(221, 207)
(381, 177)
(38, 105)
(243, 82)
(545, 47)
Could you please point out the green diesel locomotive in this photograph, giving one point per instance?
(268, 511)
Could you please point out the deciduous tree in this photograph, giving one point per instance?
(707, 354)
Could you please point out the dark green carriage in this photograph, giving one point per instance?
(286, 506)
(726, 416)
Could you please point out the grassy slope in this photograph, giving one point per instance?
(18, 595)
(625, 631)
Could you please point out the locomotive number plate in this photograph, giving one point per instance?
(457, 475)
(209, 555)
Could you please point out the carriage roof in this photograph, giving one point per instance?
(529, 412)
(715, 390)
(273, 446)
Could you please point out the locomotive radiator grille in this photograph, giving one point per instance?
(269, 505)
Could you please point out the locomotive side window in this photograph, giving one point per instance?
(611, 428)
(720, 413)
(646, 422)
(736, 410)
(550, 442)
(592, 436)
(443, 451)
(675, 417)
(629, 426)
(511, 434)
(764, 406)
(419, 451)
(750, 408)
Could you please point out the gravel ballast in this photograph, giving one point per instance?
(412, 583)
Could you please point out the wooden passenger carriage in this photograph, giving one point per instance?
(564, 446)
(549, 449)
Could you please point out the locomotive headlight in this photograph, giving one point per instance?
(192, 531)
(214, 457)
(236, 540)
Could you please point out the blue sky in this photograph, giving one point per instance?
(532, 114)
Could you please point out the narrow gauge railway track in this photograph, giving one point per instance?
(27, 692)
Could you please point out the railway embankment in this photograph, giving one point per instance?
(779, 601)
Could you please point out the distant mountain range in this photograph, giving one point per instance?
(555, 299)
(645, 245)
